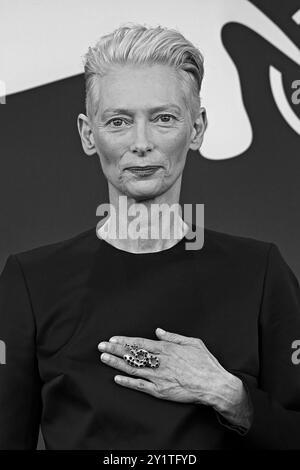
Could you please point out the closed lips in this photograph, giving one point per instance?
(142, 167)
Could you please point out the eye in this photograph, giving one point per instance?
(118, 121)
(169, 118)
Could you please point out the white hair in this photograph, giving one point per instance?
(137, 44)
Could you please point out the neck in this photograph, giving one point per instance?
(144, 226)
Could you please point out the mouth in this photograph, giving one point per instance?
(143, 170)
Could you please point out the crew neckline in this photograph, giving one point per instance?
(167, 251)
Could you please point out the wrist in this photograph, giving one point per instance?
(229, 394)
(233, 402)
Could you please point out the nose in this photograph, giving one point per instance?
(141, 143)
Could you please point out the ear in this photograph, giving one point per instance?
(86, 134)
(199, 128)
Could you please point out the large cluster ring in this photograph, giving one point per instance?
(140, 357)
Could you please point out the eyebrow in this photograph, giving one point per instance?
(151, 110)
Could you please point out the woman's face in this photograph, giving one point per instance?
(141, 121)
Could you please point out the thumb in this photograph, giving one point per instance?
(172, 337)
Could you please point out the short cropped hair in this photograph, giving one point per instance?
(138, 44)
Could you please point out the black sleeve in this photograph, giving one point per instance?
(276, 397)
(20, 385)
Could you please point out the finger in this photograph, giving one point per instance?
(120, 364)
(136, 384)
(173, 337)
(112, 348)
(149, 344)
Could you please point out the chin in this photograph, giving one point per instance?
(144, 190)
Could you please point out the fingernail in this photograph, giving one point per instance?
(161, 331)
(113, 340)
(101, 346)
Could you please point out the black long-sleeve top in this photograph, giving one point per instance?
(57, 302)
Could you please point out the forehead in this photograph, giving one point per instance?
(139, 87)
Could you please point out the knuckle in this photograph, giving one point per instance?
(172, 336)
(132, 370)
(157, 392)
(112, 360)
(163, 393)
(198, 341)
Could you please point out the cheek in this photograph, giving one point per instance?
(108, 150)
(176, 147)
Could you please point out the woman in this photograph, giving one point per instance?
(220, 375)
